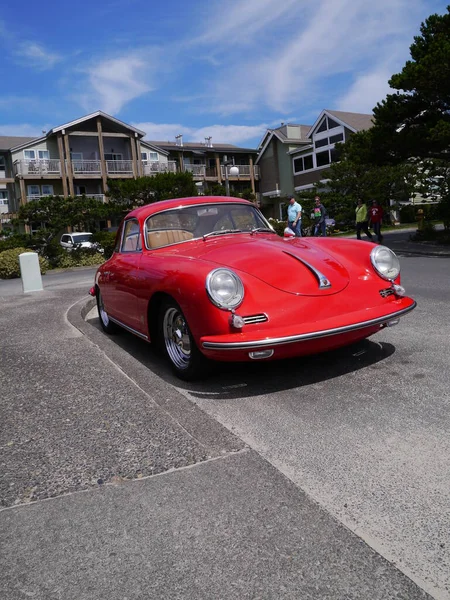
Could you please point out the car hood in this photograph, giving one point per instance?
(291, 265)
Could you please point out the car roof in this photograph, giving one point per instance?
(81, 233)
(144, 211)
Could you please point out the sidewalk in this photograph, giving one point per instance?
(114, 486)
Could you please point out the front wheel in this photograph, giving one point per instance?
(107, 325)
(178, 345)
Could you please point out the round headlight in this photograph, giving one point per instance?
(225, 288)
(385, 262)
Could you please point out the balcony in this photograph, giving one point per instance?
(38, 168)
(119, 167)
(86, 167)
(244, 171)
(153, 167)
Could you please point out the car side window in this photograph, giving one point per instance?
(131, 241)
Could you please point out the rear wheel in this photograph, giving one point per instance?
(178, 345)
(107, 325)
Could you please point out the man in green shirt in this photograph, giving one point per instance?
(362, 220)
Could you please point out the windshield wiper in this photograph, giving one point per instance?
(262, 229)
(221, 232)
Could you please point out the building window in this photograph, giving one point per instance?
(43, 154)
(303, 163)
(2, 163)
(332, 124)
(334, 139)
(47, 190)
(334, 155)
(3, 197)
(29, 154)
(298, 165)
(323, 158)
(308, 162)
(322, 126)
(153, 156)
(33, 190)
(320, 143)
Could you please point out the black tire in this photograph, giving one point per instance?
(178, 345)
(107, 325)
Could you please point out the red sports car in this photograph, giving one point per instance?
(208, 278)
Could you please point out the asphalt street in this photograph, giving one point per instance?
(323, 477)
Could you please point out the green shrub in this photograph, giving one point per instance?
(106, 239)
(16, 240)
(10, 266)
(279, 226)
(82, 257)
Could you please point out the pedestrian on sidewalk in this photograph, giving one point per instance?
(376, 219)
(294, 211)
(362, 223)
(319, 215)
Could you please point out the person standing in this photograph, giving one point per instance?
(294, 211)
(376, 219)
(319, 215)
(361, 220)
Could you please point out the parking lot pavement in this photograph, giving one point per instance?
(115, 486)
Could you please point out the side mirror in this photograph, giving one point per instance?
(288, 233)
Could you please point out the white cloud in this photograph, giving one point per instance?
(114, 82)
(221, 134)
(24, 129)
(318, 48)
(365, 92)
(36, 56)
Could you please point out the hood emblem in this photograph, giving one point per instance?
(324, 282)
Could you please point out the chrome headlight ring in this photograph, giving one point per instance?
(385, 262)
(225, 289)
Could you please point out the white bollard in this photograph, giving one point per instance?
(30, 272)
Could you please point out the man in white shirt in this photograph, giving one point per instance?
(294, 211)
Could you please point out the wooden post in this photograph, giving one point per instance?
(219, 172)
(63, 165)
(23, 192)
(252, 175)
(133, 157)
(101, 150)
(69, 165)
(140, 171)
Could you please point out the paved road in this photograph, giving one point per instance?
(359, 440)
(364, 432)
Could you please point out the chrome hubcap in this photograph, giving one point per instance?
(101, 309)
(176, 338)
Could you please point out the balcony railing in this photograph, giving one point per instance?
(49, 166)
(198, 171)
(94, 196)
(119, 167)
(244, 171)
(86, 167)
(153, 167)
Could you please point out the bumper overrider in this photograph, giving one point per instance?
(249, 343)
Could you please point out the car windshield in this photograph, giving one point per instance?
(82, 237)
(202, 221)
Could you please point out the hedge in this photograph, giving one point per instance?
(10, 266)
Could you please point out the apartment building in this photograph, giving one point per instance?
(211, 163)
(275, 164)
(78, 158)
(311, 162)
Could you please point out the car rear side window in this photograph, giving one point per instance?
(131, 241)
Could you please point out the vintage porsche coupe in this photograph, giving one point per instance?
(208, 278)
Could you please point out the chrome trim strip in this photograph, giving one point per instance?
(130, 329)
(305, 336)
(324, 282)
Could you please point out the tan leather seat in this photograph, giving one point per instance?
(156, 239)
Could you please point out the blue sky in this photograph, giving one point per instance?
(226, 69)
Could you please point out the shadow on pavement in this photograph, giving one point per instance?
(236, 380)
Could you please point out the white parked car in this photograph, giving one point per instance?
(80, 239)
